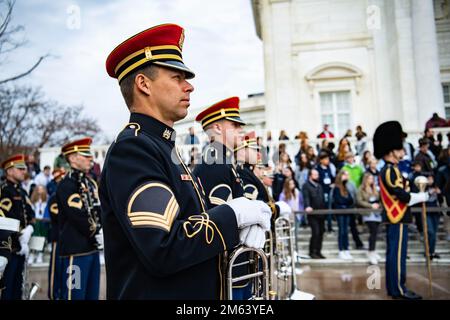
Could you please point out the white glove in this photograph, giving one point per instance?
(26, 234)
(25, 249)
(99, 239)
(285, 209)
(3, 263)
(418, 198)
(250, 212)
(253, 237)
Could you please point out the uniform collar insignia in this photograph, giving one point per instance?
(153, 126)
(166, 134)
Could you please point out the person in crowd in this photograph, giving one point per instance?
(444, 155)
(443, 177)
(32, 166)
(331, 152)
(277, 152)
(323, 146)
(342, 199)
(372, 169)
(443, 183)
(314, 199)
(408, 147)
(426, 161)
(311, 155)
(51, 186)
(28, 184)
(361, 140)
(432, 217)
(283, 136)
(436, 122)
(326, 133)
(366, 157)
(354, 170)
(194, 158)
(348, 134)
(42, 224)
(326, 180)
(281, 174)
(191, 138)
(43, 177)
(434, 148)
(95, 172)
(416, 171)
(285, 160)
(302, 170)
(294, 198)
(264, 150)
(343, 149)
(368, 197)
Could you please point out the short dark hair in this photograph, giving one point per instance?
(127, 83)
(323, 154)
(311, 171)
(423, 142)
(47, 168)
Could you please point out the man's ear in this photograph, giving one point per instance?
(143, 84)
(214, 129)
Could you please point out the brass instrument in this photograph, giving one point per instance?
(259, 273)
(284, 256)
(28, 289)
(90, 202)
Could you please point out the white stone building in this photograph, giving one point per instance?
(353, 62)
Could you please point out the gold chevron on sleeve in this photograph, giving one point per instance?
(216, 200)
(74, 201)
(153, 219)
(6, 204)
(54, 208)
(249, 194)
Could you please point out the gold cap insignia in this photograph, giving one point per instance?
(148, 53)
(181, 41)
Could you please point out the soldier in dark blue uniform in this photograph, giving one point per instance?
(15, 204)
(218, 172)
(247, 156)
(55, 267)
(161, 239)
(79, 225)
(8, 227)
(396, 198)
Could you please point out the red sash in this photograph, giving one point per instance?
(395, 209)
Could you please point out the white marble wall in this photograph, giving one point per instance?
(398, 60)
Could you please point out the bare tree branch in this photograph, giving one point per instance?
(26, 72)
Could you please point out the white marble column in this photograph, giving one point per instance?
(426, 60)
(406, 85)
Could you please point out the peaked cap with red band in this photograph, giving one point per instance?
(82, 146)
(160, 45)
(225, 109)
(17, 161)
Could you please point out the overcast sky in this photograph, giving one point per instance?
(221, 46)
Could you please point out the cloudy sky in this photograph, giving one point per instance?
(221, 46)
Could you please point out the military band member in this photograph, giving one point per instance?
(218, 172)
(55, 266)
(8, 227)
(79, 225)
(397, 199)
(15, 204)
(161, 239)
(247, 156)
